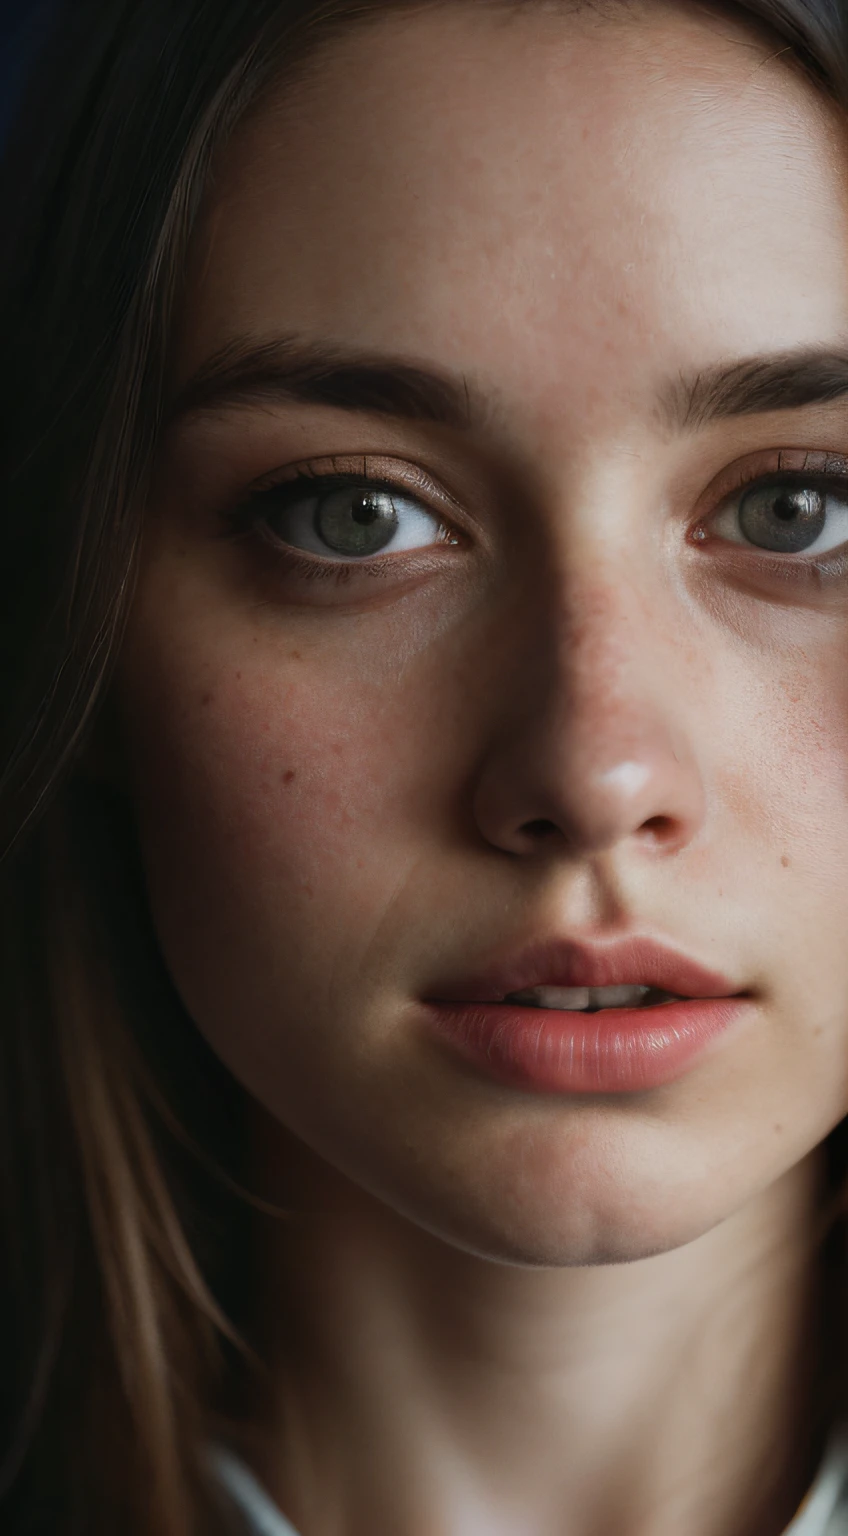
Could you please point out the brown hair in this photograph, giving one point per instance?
(122, 1135)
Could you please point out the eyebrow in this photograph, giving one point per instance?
(785, 381)
(295, 369)
(290, 369)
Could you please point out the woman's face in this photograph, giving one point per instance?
(581, 676)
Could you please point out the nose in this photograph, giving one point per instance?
(592, 743)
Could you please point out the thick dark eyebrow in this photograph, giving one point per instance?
(294, 369)
(786, 381)
(291, 369)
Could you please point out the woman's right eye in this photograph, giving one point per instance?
(787, 515)
(343, 518)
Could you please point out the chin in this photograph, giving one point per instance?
(568, 1231)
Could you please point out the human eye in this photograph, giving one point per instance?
(795, 509)
(343, 516)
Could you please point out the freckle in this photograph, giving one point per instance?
(288, 775)
(238, 676)
(784, 861)
(337, 748)
(206, 699)
(778, 1129)
(296, 655)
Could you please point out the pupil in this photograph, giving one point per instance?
(365, 511)
(786, 507)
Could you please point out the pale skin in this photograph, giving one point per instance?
(495, 1311)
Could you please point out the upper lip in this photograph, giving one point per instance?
(579, 963)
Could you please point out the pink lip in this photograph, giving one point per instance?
(616, 1050)
(576, 963)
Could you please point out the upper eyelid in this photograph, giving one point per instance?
(814, 466)
(373, 468)
(416, 484)
(247, 513)
(818, 463)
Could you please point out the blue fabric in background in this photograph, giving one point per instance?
(24, 25)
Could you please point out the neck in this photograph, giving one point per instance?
(417, 1387)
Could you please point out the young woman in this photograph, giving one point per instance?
(425, 774)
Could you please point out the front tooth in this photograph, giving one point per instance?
(553, 997)
(617, 997)
(581, 997)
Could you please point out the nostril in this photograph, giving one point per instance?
(540, 828)
(661, 829)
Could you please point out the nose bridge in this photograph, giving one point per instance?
(594, 739)
(607, 652)
(606, 602)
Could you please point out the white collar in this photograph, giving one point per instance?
(823, 1513)
(261, 1513)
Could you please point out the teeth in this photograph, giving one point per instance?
(576, 998)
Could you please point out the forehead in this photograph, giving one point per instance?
(533, 194)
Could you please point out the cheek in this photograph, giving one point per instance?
(787, 774)
(280, 806)
(255, 779)
(778, 855)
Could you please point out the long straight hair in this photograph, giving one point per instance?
(124, 1321)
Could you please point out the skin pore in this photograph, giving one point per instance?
(495, 1310)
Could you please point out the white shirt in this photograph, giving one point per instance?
(824, 1511)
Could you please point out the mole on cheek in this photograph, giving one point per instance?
(288, 775)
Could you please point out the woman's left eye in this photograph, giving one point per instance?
(343, 518)
(787, 515)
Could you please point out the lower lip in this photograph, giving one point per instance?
(616, 1050)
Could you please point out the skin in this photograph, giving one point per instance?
(495, 1310)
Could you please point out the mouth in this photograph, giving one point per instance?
(577, 976)
(571, 1016)
(616, 1039)
(593, 999)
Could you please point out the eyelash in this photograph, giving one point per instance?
(248, 520)
(823, 478)
(830, 566)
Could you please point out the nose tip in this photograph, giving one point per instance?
(626, 778)
(624, 783)
(549, 784)
(594, 732)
